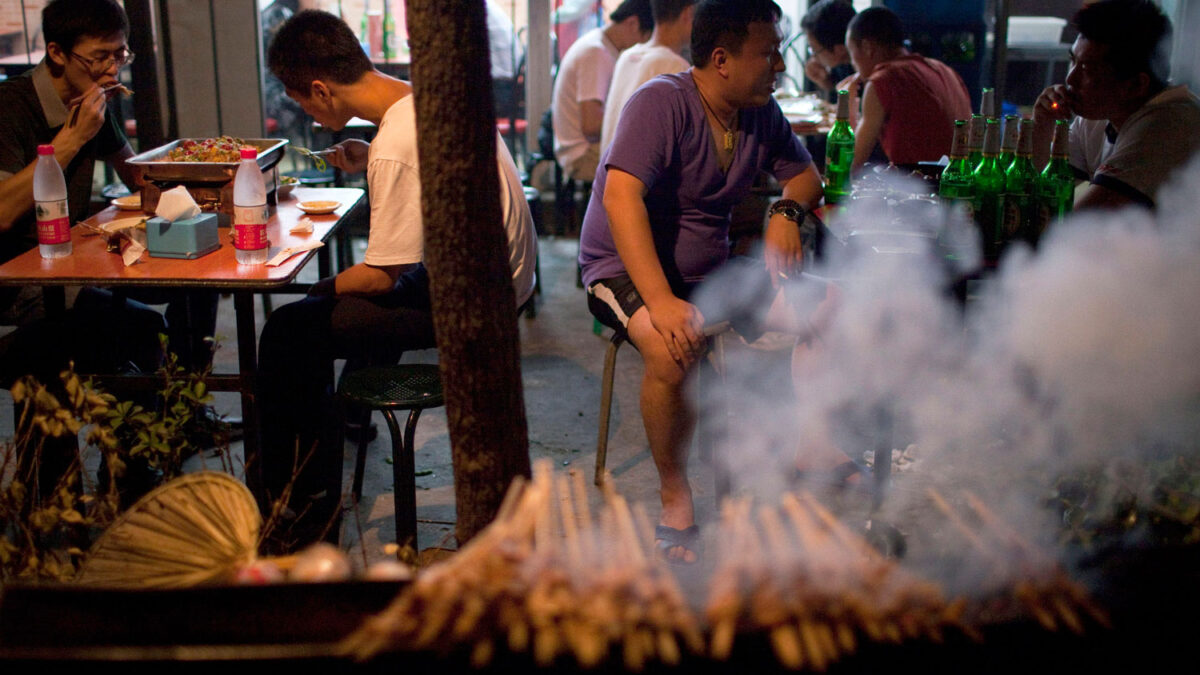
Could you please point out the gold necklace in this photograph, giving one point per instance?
(729, 135)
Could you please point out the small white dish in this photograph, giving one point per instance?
(316, 208)
(131, 202)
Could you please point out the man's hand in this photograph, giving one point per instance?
(783, 252)
(350, 155)
(682, 328)
(85, 116)
(1052, 104)
(817, 73)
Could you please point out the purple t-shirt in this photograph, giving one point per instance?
(664, 140)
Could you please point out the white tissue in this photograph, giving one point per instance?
(290, 251)
(133, 252)
(303, 226)
(176, 204)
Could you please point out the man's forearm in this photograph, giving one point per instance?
(591, 119)
(363, 279)
(805, 187)
(16, 197)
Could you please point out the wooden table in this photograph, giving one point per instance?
(91, 264)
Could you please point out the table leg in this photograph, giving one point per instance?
(243, 305)
(325, 262)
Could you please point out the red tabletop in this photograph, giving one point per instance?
(90, 263)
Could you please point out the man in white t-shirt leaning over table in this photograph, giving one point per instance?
(661, 55)
(377, 309)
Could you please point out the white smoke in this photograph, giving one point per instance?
(1085, 353)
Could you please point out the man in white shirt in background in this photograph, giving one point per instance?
(506, 52)
(662, 54)
(581, 86)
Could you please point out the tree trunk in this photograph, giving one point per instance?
(474, 306)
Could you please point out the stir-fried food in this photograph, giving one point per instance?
(223, 149)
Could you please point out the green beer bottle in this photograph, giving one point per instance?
(1020, 182)
(1008, 146)
(364, 34)
(989, 192)
(1056, 184)
(976, 127)
(957, 184)
(389, 33)
(839, 154)
(987, 102)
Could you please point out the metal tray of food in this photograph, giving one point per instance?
(157, 167)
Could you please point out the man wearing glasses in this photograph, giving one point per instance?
(63, 101)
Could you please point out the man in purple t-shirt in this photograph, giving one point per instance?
(686, 150)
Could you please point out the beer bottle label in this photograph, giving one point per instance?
(250, 227)
(1016, 205)
(53, 222)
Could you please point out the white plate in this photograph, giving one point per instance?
(317, 208)
(128, 202)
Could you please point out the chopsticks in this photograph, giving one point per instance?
(116, 86)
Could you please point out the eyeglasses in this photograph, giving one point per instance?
(100, 64)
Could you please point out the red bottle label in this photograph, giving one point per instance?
(53, 222)
(250, 227)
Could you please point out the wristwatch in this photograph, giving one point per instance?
(788, 208)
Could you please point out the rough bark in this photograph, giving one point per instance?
(474, 306)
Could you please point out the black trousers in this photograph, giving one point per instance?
(300, 419)
(191, 317)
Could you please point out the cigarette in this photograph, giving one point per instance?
(783, 275)
(1054, 105)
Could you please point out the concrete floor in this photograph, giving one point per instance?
(562, 363)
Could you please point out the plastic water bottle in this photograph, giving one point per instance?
(50, 205)
(249, 211)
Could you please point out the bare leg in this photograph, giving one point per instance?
(817, 449)
(669, 422)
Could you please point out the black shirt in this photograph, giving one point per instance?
(31, 115)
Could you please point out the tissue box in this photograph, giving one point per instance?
(189, 238)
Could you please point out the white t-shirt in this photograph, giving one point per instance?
(1155, 140)
(505, 51)
(635, 67)
(397, 237)
(584, 75)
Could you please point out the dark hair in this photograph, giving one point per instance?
(1137, 34)
(64, 22)
(726, 23)
(669, 10)
(638, 8)
(879, 25)
(826, 22)
(316, 45)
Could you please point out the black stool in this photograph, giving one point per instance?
(412, 387)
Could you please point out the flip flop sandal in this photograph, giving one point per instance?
(667, 538)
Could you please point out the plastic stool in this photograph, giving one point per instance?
(412, 387)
